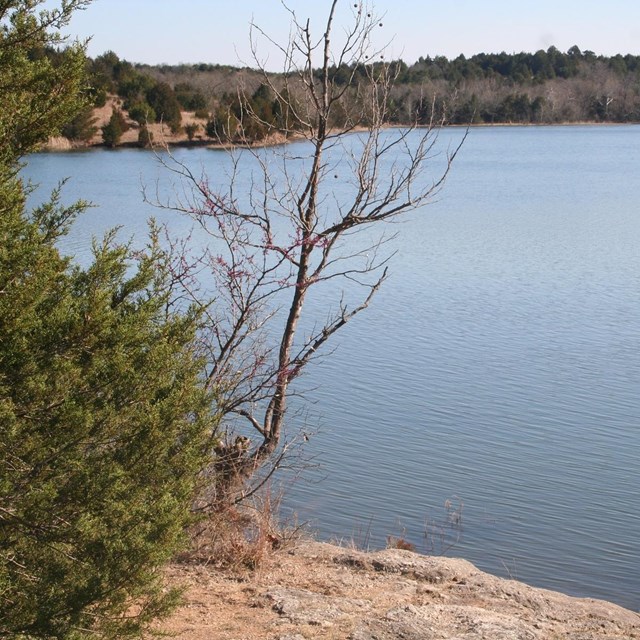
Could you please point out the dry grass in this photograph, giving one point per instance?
(394, 542)
(242, 536)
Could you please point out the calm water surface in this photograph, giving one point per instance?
(499, 368)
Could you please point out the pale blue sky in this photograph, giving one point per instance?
(216, 31)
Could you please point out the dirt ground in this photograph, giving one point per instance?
(313, 590)
(234, 605)
(161, 132)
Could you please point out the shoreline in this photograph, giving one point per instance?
(310, 590)
(61, 144)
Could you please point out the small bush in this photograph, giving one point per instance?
(142, 113)
(400, 543)
(191, 129)
(113, 130)
(145, 137)
(241, 537)
(82, 127)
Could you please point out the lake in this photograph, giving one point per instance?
(487, 405)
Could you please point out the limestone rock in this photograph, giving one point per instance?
(317, 590)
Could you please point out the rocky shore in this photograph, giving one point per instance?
(316, 590)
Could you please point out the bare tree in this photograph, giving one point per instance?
(299, 219)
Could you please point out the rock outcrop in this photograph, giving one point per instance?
(322, 591)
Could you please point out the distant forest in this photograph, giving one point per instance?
(544, 87)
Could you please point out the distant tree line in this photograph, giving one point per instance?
(544, 87)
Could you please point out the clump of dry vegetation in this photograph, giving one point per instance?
(241, 536)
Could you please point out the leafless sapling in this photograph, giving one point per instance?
(297, 219)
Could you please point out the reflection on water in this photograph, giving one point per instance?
(498, 368)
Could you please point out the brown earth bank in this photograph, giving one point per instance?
(161, 133)
(316, 590)
(162, 136)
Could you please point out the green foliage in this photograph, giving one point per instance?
(119, 76)
(223, 125)
(132, 85)
(162, 99)
(145, 137)
(142, 113)
(113, 130)
(99, 95)
(102, 70)
(35, 83)
(103, 421)
(519, 67)
(191, 129)
(82, 127)
(202, 114)
(468, 112)
(262, 119)
(97, 437)
(515, 108)
(254, 118)
(190, 99)
(286, 110)
(477, 89)
(101, 74)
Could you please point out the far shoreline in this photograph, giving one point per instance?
(64, 145)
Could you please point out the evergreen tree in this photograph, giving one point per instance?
(113, 130)
(102, 415)
(223, 125)
(32, 85)
(165, 104)
(191, 129)
(82, 127)
(145, 137)
(142, 113)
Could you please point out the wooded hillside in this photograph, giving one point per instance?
(542, 87)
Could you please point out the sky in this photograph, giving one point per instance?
(217, 31)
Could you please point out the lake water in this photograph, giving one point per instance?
(498, 369)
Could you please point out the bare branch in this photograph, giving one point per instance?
(291, 218)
